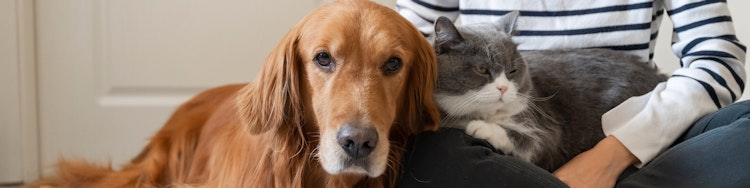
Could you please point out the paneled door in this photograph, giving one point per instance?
(111, 72)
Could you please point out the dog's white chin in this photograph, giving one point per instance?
(355, 169)
(335, 161)
(334, 169)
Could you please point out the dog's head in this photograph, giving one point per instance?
(350, 77)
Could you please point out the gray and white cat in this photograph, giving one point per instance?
(544, 107)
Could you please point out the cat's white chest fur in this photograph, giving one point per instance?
(490, 111)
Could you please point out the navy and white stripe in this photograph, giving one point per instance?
(711, 76)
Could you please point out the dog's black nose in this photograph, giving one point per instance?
(357, 142)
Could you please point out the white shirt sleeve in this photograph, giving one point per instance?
(711, 76)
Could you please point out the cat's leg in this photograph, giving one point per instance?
(510, 138)
(495, 134)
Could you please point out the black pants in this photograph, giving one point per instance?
(714, 152)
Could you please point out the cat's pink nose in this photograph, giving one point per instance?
(502, 89)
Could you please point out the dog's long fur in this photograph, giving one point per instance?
(276, 131)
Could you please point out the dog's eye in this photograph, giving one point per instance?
(392, 66)
(324, 61)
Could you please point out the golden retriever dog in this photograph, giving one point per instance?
(333, 106)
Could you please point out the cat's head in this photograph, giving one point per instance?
(479, 68)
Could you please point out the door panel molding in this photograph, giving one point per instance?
(19, 117)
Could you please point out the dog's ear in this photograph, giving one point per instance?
(422, 108)
(272, 101)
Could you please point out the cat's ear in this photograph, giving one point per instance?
(446, 34)
(507, 22)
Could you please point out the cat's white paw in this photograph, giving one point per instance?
(493, 133)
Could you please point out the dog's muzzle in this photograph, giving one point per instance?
(357, 142)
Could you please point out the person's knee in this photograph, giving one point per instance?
(727, 115)
(722, 117)
(742, 125)
(740, 107)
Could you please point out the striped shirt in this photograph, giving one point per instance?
(711, 73)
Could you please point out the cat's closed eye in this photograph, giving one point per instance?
(512, 71)
(480, 70)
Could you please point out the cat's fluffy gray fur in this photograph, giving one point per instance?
(551, 102)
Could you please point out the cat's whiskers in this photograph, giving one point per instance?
(535, 107)
(467, 106)
(537, 99)
(464, 107)
(460, 109)
(484, 95)
(517, 58)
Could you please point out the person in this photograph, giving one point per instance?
(687, 132)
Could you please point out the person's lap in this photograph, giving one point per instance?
(451, 158)
(711, 153)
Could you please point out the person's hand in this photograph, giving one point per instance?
(598, 167)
